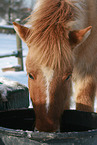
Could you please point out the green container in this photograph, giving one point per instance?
(77, 128)
(13, 95)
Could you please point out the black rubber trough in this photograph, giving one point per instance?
(77, 128)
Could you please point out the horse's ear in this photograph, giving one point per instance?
(21, 31)
(76, 37)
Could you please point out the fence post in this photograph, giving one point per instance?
(19, 49)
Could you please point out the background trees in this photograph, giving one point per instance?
(12, 9)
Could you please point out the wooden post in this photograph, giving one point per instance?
(19, 49)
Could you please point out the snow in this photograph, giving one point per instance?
(2, 22)
(3, 92)
(6, 26)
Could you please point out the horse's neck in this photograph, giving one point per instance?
(88, 15)
(92, 12)
(86, 53)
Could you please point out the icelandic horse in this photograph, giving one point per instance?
(61, 41)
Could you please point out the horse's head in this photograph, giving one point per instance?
(49, 66)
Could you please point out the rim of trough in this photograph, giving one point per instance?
(39, 136)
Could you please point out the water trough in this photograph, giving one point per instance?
(77, 128)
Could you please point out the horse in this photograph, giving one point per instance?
(85, 64)
(58, 48)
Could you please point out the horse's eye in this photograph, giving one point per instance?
(68, 77)
(31, 76)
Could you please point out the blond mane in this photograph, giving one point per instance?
(48, 37)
